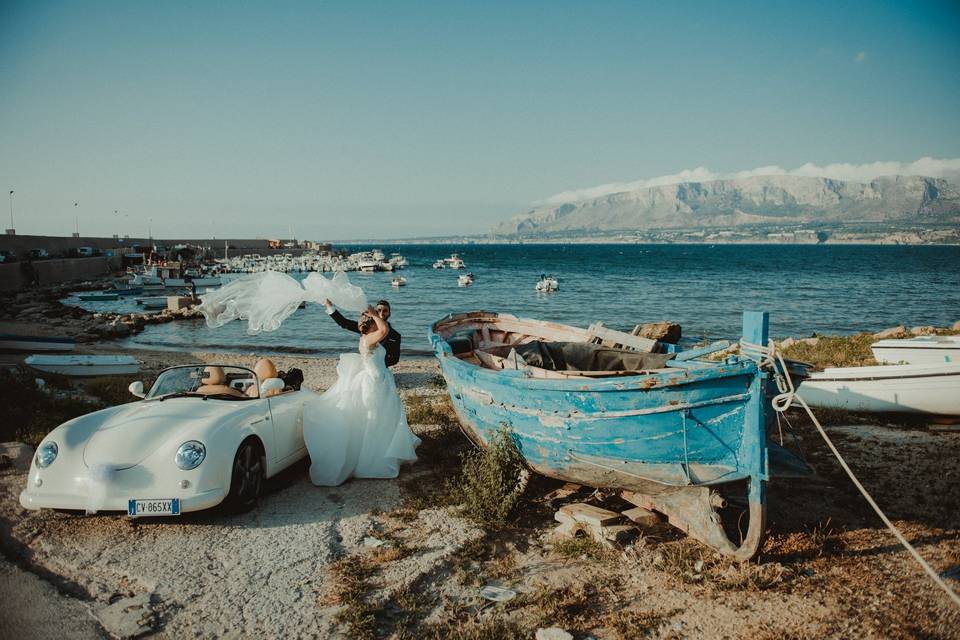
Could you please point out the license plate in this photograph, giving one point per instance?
(154, 507)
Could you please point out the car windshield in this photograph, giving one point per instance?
(218, 382)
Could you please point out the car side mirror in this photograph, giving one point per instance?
(136, 388)
(271, 385)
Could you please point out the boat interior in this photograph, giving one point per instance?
(555, 351)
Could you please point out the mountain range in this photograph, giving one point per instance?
(756, 200)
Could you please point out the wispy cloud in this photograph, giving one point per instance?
(930, 167)
(860, 57)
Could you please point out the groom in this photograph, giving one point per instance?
(391, 344)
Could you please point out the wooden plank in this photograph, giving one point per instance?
(641, 516)
(589, 514)
(612, 338)
(699, 352)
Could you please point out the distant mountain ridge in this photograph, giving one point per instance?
(773, 199)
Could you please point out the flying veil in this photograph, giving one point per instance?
(268, 298)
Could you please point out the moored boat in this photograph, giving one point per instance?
(465, 280)
(78, 365)
(919, 350)
(399, 282)
(99, 296)
(14, 342)
(547, 284)
(667, 429)
(896, 388)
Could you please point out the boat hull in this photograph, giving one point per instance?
(922, 350)
(931, 389)
(84, 366)
(11, 342)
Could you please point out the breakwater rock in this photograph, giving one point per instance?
(43, 311)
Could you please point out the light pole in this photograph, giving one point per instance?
(76, 234)
(11, 231)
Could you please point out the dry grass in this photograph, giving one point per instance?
(350, 589)
(630, 623)
(582, 547)
(112, 391)
(431, 409)
(835, 351)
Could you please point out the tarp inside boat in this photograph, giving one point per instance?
(581, 356)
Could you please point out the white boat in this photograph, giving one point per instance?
(14, 342)
(205, 281)
(84, 365)
(897, 388)
(919, 350)
(465, 280)
(439, 264)
(399, 282)
(369, 266)
(454, 262)
(548, 284)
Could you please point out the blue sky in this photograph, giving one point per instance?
(356, 119)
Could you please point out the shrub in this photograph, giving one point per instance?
(487, 487)
(30, 412)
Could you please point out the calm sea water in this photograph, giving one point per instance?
(807, 289)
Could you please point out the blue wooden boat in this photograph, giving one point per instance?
(670, 437)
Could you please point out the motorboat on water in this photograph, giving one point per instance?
(548, 284)
(399, 282)
(455, 262)
(919, 350)
(896, 388)
(465, 280)
(604, 408)
(153, 302)
(439, 264)
(15, 342)
(83, 366)
(99, 296)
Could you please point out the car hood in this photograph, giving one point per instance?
(127, 434)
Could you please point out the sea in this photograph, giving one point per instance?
(807, 289)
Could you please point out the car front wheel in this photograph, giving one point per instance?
(246, 479)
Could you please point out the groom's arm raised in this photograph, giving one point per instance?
(349, 325)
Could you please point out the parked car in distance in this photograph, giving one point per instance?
(87, 252)
(39, 254)
(7, 256)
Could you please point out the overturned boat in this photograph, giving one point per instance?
(919, 350)
(608, 409)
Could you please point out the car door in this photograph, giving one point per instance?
(287, 412)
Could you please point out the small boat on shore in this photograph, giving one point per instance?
(14, 342)
(153, 302)
(465, 280)
(603, 408)
(82, 366)
(547, 284)
(896, 388)
(919, 350)
(399, 282)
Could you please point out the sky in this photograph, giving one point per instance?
(391, 120)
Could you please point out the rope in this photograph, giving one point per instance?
(784, 400)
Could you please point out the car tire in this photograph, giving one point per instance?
(246, 477)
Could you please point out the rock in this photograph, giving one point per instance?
(552, 633)
(923, 331)
(810, 341)
(128, 617)
(15, 455)
(642, 517)
(956, 326)
(663, 331)
(892, 332)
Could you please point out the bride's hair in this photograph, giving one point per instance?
(366, 324)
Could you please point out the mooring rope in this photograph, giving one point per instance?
(784, 400)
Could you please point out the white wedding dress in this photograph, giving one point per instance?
(358, 427)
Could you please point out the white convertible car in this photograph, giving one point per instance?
(203, 435)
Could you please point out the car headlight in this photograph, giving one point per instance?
(190, 455)
(46, 454)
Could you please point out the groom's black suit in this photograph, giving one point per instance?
(391, 344)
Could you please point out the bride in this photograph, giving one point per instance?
(358, 427)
